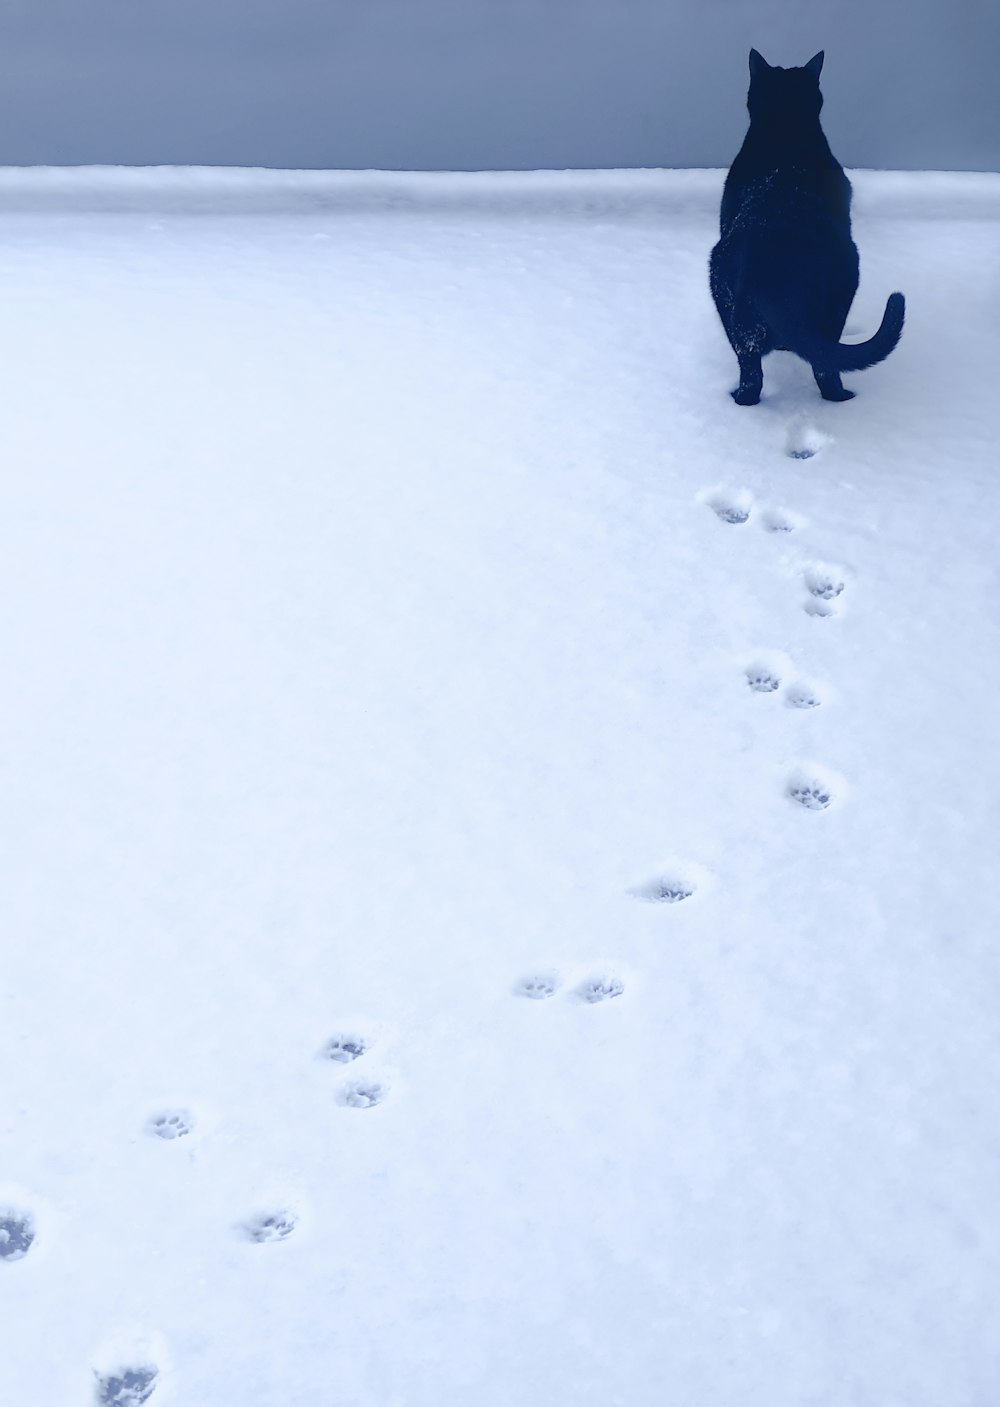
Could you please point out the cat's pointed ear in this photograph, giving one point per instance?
(815, 65)
(758, 63)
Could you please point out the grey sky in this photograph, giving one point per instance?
(471, 84)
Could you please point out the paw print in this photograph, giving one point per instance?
(129, 1388)
(804, 439)
(778, 522)
(671, 891)
(171, 1123)
(733, 510)
(343, 1049)
(665, 889)
(364, 1094)
(17, 1234)
(762, 681)
(814, 796)
(802, 696)
(823, 584)
(538, 986)
(601, 989)
(270, 1226)
(730, 506)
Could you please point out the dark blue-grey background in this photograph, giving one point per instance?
(484, 84)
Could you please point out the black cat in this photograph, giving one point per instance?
(785, 272)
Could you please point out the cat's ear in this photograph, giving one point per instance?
(758, 63)
(815, 65)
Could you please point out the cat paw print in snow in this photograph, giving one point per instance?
(763, 680)
(813, 798)
(811, 793)
(804, 439)
(364, 1094)
(803, 695)
(171, 1124)
(669, 887)
(601, 989)
(733, 508)
(538, 986)
(17, 1234)
(270, 1226)
(669, 891)
(345, 1048)
(130, 1387)
(824, 583)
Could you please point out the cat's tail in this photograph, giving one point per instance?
(852, 356)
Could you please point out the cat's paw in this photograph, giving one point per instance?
(746, 395)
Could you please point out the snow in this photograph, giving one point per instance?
(433, 973)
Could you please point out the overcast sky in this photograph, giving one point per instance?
(485, 84)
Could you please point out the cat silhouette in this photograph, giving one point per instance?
(785, 270)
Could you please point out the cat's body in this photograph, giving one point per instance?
(785, 270)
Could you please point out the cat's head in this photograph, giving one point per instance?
(782, 93)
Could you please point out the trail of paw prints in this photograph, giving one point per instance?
(771, 675)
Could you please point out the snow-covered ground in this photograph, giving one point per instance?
(399, 617)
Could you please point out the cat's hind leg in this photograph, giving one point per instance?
(831, 388)
(830, 315)
(751, 376)
(747, 339)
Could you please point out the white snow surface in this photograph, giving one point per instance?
(376, 653)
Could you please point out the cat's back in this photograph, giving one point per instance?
(772, 188)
